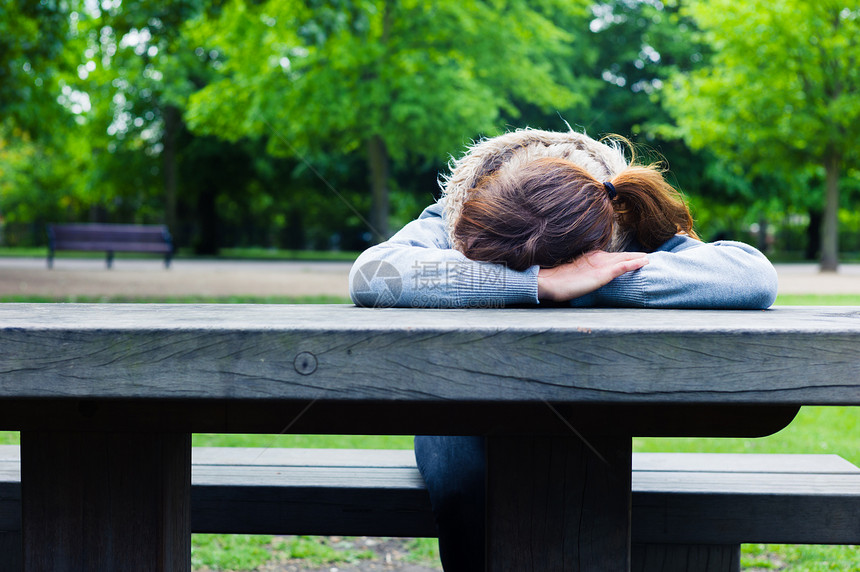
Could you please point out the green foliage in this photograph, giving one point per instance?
(39, 179)
(399, 81)
(784, 79)
(778, 101)
(423, 76)
(32, 38)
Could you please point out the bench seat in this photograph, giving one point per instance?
(685, 505)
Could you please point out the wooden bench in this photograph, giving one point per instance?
(691, 511)
(110, 238)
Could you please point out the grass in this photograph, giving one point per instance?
(194, 299)
(249, 551)
(278, 254)
(814, 430)
(818, 300)
(251, 253)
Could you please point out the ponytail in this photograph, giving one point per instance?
(649, 206)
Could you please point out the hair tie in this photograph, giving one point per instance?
(610, 190)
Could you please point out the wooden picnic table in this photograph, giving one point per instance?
(106, 397)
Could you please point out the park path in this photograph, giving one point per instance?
(148, 278)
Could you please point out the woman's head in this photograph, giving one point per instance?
(513, 150)
(546, 212)
(549, 211)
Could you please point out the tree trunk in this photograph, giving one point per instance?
(377, 156)
(830, 228)
(171, 129)
(813, 235)
(208, 241)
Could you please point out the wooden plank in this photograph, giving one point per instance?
(391, 417)
(294, 457)
(748, 483)
(106, 501)
(556, 505)
(343, 353)
(686, 558)
(742, 463)
(309, 477)
(788, 519)
(277, 509)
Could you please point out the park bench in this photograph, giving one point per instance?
(691, 511)
(110, 238)
(106, 398)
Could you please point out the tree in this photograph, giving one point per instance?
(136, 71)
(391, 79)
(640, 45)
(781, 93)
(33, 36)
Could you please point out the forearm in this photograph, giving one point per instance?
(404, 276)
(718, 275)
(417, 268)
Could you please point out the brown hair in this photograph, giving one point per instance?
(550, 211)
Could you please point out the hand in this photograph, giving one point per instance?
(586, 274)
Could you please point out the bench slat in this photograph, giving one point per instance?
(742, 462)
(748, 483)
(302, 457)
(309, 477)
(101, 245)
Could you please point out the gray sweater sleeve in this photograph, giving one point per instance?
(687, 273)
(417, 267)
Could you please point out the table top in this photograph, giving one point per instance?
(787, 355)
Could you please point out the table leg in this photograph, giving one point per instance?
(10, 548)
(554, 505)
(686, 558)
(106, 501)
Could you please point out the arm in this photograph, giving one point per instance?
(686, 273)
(418, 268)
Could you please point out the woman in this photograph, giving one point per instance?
(535, 216)
(440, 266)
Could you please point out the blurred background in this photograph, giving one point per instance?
(323, 125)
